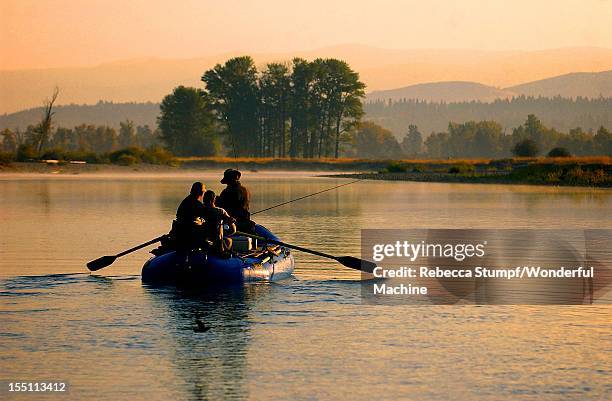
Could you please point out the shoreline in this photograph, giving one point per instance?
(33, 168)
(574, 172)
(42, 171)
(195, 166)
(448, 178)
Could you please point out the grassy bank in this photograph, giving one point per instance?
(122, 157)
(570, 171)
(284, 164)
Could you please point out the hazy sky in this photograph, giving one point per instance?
(51, 33)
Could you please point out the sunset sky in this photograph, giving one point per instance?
(54, 33)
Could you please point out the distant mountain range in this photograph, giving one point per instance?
(584, 84)
(587, 85)
(148, 80)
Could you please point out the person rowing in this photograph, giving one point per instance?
(235, 199)
(186, 229)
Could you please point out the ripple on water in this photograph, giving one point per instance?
(306, 338)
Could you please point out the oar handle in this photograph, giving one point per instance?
(298, 248)
(140, 246)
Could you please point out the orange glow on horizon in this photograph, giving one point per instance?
(54, 33)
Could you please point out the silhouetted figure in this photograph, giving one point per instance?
(214, 219)
(187, 227)
(235, 200)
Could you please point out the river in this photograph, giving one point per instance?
(306, 338)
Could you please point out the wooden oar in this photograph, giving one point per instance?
(348, 261)
(108, 260)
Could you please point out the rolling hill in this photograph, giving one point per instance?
(102, 113)
(585, 84)
(455, 91)
(562, 115)
(148, 80)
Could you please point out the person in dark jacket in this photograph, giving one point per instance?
(191, 207)
(187, 228)
(235, 200)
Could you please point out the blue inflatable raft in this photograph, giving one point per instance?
(266, 263)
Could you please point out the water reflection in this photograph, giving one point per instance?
(209, 332)
(576, 195)
(148, 344)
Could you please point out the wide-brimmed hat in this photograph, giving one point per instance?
(230, 175)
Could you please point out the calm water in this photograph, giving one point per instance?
(306, 338)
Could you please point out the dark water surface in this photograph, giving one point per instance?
(306, 338)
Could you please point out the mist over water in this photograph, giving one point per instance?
(309, 337)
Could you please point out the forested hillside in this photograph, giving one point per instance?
(102, 113)
(585, 84)
(559, 113)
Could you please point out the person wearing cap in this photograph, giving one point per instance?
(235, 200)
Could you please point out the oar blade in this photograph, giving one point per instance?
(357, 264)
(101, 263)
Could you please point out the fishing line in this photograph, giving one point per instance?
(306, 196)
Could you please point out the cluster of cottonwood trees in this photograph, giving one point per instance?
(297, 109)
(309, 109)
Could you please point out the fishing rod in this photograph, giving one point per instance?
(109, 259)
(306, 196)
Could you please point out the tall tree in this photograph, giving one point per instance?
(127, 134)
(488, 140)
(63, 139)
(9, 141)
(534, 130)
(346, 93)
(437, 145)
(319, 103)
(105, 139)
(300, 105)
(375, 142)
(233, 92)
(335, 105)
(84, 136)
(275, 89)
(44, 128)
(145, 137)
(412, 144)
(603, 141)
(187, 125)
